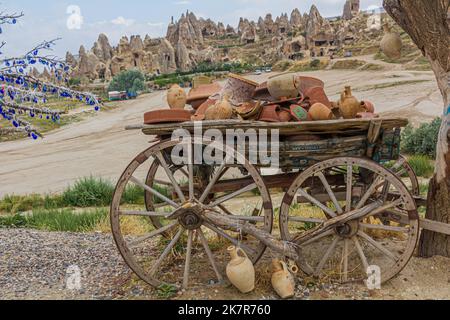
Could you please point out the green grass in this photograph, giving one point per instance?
(63, 220)
(421, 165)
(89, 192)
(348, 64)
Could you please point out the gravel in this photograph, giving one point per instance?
(42, 265)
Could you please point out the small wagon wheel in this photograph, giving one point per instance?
(403, 170)
(346, 252)
(176, 239)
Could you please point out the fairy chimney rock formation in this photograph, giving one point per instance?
(351, 9)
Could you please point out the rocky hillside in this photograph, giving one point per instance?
(191, 41)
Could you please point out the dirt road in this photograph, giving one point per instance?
(100, 146)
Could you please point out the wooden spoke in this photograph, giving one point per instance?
(361, 254)
(345, 254)
(378, 246)
(326, 256)
(169, 173)
(319, 237)
(143, 214)
(348, 203)
(212, 182)
(233, 195)
(385, 207)
(191, 172)
(247, 218)
(307, 220)
(154, 192)
(187, 266)
(166, 252)
(330, 193)
(163, 183)
(399, 164)
(383, 227)
(224, 235)
(152, 234)
(369, 192)
(316, 202)
(224, 209)
(401, 172)
(210, 255)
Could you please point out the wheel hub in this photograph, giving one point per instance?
(189, 216)
(347, 230)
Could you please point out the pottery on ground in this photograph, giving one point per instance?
(176, 97)
(391, 44)
(283, 281)
(349, 105)
(319, 112)
(240, 270)
(167, 116)
(283, 86)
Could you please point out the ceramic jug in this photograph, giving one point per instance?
(391, 44)
(176, 97)
(349, 105)
(319, 112)
(283, 86)
(283, 281)
(240, 270)
(222, 110)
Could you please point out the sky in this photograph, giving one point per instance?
(79, 22)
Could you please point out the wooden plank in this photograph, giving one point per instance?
(287, 128)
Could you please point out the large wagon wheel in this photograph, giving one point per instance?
(345, 252)
(403, 170)
(171, 245)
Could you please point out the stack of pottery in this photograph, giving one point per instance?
(240, 270)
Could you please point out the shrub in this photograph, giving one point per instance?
(127, 80)
(89, 192)
(421, 165)
(422, 140)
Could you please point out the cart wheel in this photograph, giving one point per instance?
(351, 251)
(160, 242)
(403, 170)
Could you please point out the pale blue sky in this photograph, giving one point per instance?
(47, 19)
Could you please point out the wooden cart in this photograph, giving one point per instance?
(344, 199)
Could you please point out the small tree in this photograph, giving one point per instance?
(130, 81)
(22, 95)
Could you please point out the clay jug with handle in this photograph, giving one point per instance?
(222, 110)
(283, 281)
(240, 270)
(349, 105)
(391, 44)
(176, 97)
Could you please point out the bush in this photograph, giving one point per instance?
(423, 140)
(130, 81)
(315, 63)
(422, 166)
(89, 192)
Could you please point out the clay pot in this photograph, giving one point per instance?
(285, 115)
(349, 105)
(283, 86)
(270, 113)
(240, 270)
(176, 97)
(306, 83)
(238, 89)
(317, 95)
(200, 114)
(262, 93)
(198, 96)
(222, 110)
(319, 112)
(249, 110)
(283, 281)
(167, 116)
(391, 44)
(367, 106)
(299, 113)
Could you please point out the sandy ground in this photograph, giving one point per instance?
(100, 146)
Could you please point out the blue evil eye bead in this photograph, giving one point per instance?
(40, 117)
(34, 136)
(32, 114)
(21, 70)
(48, 117)
(7, 63)
(35, 52)
(15, 123)
(97, 108)
(14, 21)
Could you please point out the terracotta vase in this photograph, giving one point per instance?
(391, 44)
(319, 112)
(283, 86)
(176, 97)
(349, 105)
(222, 110)
(285, 115)
(367, 106)
(240, 270)
(283, 281)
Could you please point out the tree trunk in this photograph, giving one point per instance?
(427, 22)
